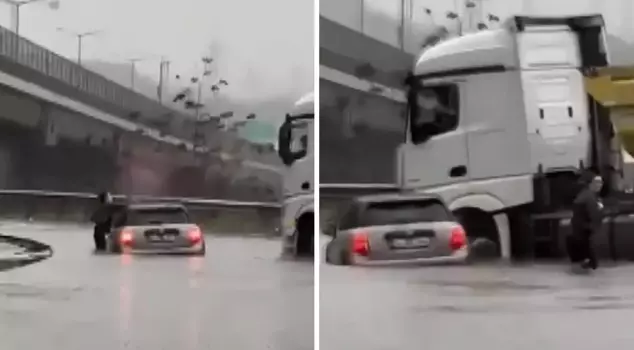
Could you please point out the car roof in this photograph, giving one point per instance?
(155, 206)
(396, 197)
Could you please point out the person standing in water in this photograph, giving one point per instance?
(586, 222)
(102, 219)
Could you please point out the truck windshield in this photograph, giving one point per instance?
(434, 111)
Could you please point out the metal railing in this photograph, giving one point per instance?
(29, 54)
(127, 104)
(215, 214)
(188, 201)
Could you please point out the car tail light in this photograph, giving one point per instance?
(195, 235)
(458, 238)
(127, 237)
(360, 243)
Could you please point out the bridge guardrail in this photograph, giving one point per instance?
(214, 215)
(29, 54)
(138, 112)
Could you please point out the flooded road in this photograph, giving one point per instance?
(483, 307)
(240, 296)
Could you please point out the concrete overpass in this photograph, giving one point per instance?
(56, 116)
(365, 54)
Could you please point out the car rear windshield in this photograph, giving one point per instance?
(140, 217)
(405, 212)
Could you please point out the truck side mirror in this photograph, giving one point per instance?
(284, 143)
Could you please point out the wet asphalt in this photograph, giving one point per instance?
(544, 306)
(240, 296)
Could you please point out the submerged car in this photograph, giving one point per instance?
(155, 228)
(396, 228)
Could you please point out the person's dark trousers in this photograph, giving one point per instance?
(99, 235)
(580, 250)
(574, 249)
(588, 251)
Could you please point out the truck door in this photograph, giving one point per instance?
(435, 153)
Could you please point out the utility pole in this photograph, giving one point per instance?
(163, 78)
(470, 6)
(206, 72)
(133, 62)
(402, 34)
(200, 80)
(480, 7)
(627, 15)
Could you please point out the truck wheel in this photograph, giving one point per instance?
(482, 236)
(335, 255)
(305, 240)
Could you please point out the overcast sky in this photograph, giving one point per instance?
(618, 13)
(263, 48)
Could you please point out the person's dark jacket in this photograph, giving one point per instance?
(586, 213)
(102, 217)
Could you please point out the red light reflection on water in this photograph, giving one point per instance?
(194, 272)
(125, 298)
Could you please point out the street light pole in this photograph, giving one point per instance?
(199, 99)
(80, 39)
(133, 62)
(79, 47)
(164, 67)
(17, 5)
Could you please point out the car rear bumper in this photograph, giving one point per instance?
(196, 249)
(458, 257)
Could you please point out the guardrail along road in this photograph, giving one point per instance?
(215, 216)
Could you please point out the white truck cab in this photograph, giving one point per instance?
(296, 149)
(500, 121)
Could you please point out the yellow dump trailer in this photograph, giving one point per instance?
(613, 88)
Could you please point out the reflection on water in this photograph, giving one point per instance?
(194, 269)
(125, 299)
(186, 309)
